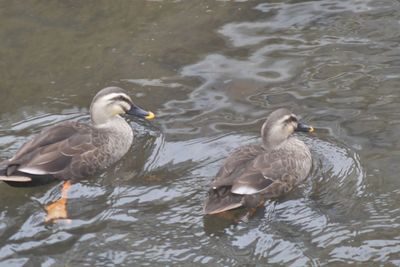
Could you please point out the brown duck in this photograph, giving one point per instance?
(72, 150)
(254, 173)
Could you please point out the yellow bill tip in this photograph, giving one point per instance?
(311, 129)
(150, 116)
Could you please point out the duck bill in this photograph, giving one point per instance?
(301, 127)
(141, 113)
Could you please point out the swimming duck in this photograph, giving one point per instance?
(254, 173)
(72, 150)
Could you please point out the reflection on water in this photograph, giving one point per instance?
(212, 75)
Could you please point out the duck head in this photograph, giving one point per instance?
(114, 101)
(279, 125)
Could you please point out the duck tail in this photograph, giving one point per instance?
(220, 200)
(14, 178)
(11, 178)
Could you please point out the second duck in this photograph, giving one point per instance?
(254, 173)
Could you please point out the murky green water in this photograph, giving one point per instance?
(212, 71)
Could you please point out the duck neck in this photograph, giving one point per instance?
(271, 143)
(119, 135)
(273, 136)
(115, 123)
(98, 116)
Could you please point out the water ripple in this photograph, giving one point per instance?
(225, 65)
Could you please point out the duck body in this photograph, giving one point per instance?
(68, 151)
(257, 172)
(73, 150)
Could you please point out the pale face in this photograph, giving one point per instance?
(288, 124)
(278, 129)
(117, 103)
(110, 105)
(111, 102)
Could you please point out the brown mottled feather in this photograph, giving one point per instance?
(72, 150)
(56, 149)
(254, 173)
(269, 174)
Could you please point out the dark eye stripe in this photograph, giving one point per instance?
(291, 119)
(122, 98)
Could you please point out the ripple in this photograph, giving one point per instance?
(154, 82)
(334, 62)
(370, 250)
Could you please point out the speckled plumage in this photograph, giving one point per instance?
(254, 173)
(73, 150)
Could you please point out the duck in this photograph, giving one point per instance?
(72, 150)
(257, 172)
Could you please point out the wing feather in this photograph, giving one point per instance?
(48, 136)
(251, 184)
(53, 150)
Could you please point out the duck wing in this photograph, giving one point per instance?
(247, 177)
(220, 197)
(250, 183)
(269, 174)
(48, 136)
(50, 152)
(235, 165)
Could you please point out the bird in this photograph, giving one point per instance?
(71, 150)
(257, 172)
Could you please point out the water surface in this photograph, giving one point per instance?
(212, 71)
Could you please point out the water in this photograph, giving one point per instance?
(212, 71)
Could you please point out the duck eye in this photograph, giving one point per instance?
(121, 98)
(291, 119)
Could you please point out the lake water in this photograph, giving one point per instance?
(211, 71)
